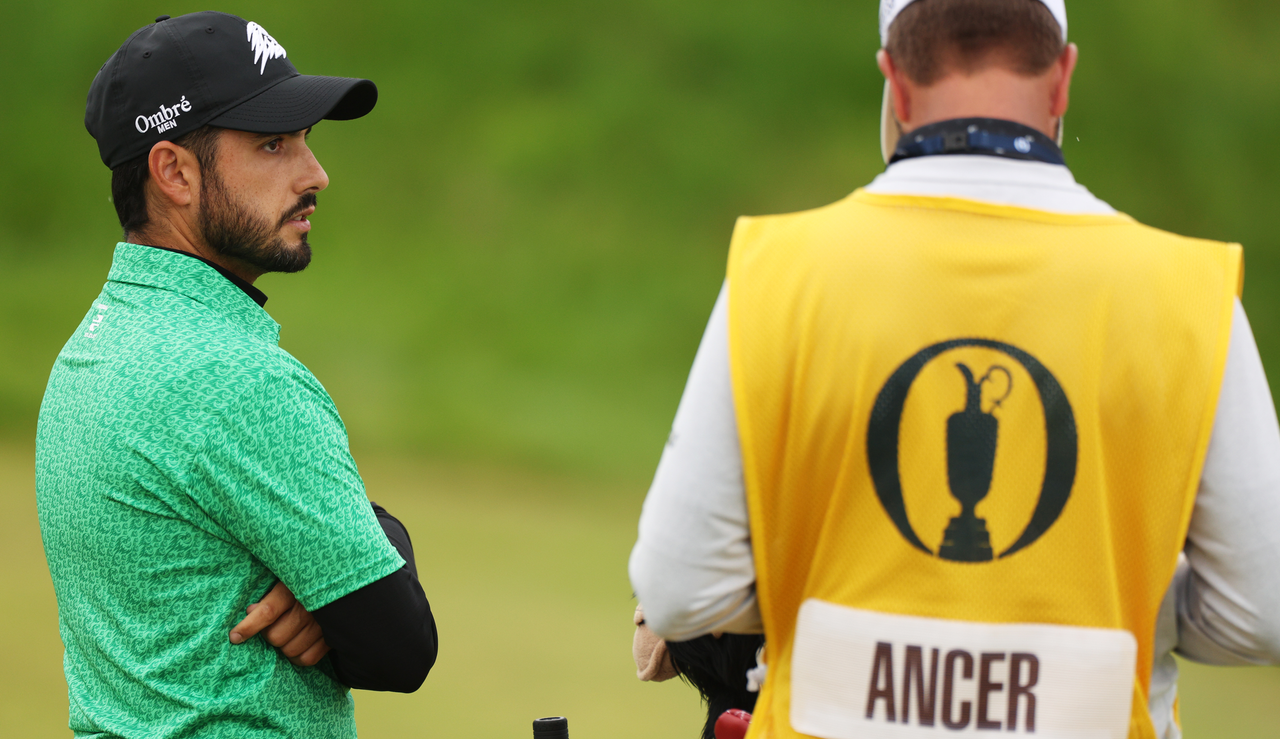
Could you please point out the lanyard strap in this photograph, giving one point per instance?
(988, 136)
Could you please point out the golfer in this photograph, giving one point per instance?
(185, 464)
(948, 440)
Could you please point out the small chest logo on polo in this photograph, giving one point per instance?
(935, 439)
(264, 47)
(165, 119)
(96, 324)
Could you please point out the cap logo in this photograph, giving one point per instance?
(264, 47)
(163, 120)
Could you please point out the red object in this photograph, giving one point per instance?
(732, 724)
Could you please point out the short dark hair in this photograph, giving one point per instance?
(932, 38)
(129, 180)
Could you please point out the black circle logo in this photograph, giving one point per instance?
(972, 438)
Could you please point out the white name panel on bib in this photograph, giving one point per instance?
(859, 674)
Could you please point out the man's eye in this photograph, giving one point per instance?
(273, 145)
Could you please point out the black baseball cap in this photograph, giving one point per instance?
(178, 74)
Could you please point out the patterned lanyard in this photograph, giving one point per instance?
(988, 136)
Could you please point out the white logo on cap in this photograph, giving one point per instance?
(264, 47)
(165, 119)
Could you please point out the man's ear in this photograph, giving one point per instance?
(1064, 68)
(175, 173)
(897, 87)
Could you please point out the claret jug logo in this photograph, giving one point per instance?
(958, 423)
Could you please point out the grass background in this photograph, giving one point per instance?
(514, 262)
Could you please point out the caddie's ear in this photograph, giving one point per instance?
(1063, 70)
(175, 173)
(898, 86)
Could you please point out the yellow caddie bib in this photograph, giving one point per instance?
(972, 436)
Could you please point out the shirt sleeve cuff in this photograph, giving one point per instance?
(325, 594)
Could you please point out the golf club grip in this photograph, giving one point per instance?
(554, 727)
(732, 724)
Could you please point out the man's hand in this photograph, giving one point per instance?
(286, 625)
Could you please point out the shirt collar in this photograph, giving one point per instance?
(196, 279)
(1025, 184)
(254, 293)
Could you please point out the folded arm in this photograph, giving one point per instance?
(383, 636)
(384, 632)
(278, 477)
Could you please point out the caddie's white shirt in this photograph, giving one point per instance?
(692, 567)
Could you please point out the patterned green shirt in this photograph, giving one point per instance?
(184, 462)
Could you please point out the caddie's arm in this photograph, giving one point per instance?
(692, 565)
(1228, 599)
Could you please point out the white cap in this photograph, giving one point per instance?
(889, 10)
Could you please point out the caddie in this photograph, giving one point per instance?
(975, 451)
(218, 568)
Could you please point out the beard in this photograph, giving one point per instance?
(233, 230)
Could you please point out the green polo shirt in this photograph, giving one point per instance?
(184, 462)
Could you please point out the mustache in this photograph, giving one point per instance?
(304, 202)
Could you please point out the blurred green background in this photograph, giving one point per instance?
(513, 264)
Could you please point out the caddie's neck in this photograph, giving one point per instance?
(993, 91)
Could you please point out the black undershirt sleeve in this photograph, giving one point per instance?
(383, 636)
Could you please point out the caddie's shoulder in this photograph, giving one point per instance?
(1154, 234)
(782, 223)
(1152, 249)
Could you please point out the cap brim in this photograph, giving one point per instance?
(301, 102)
